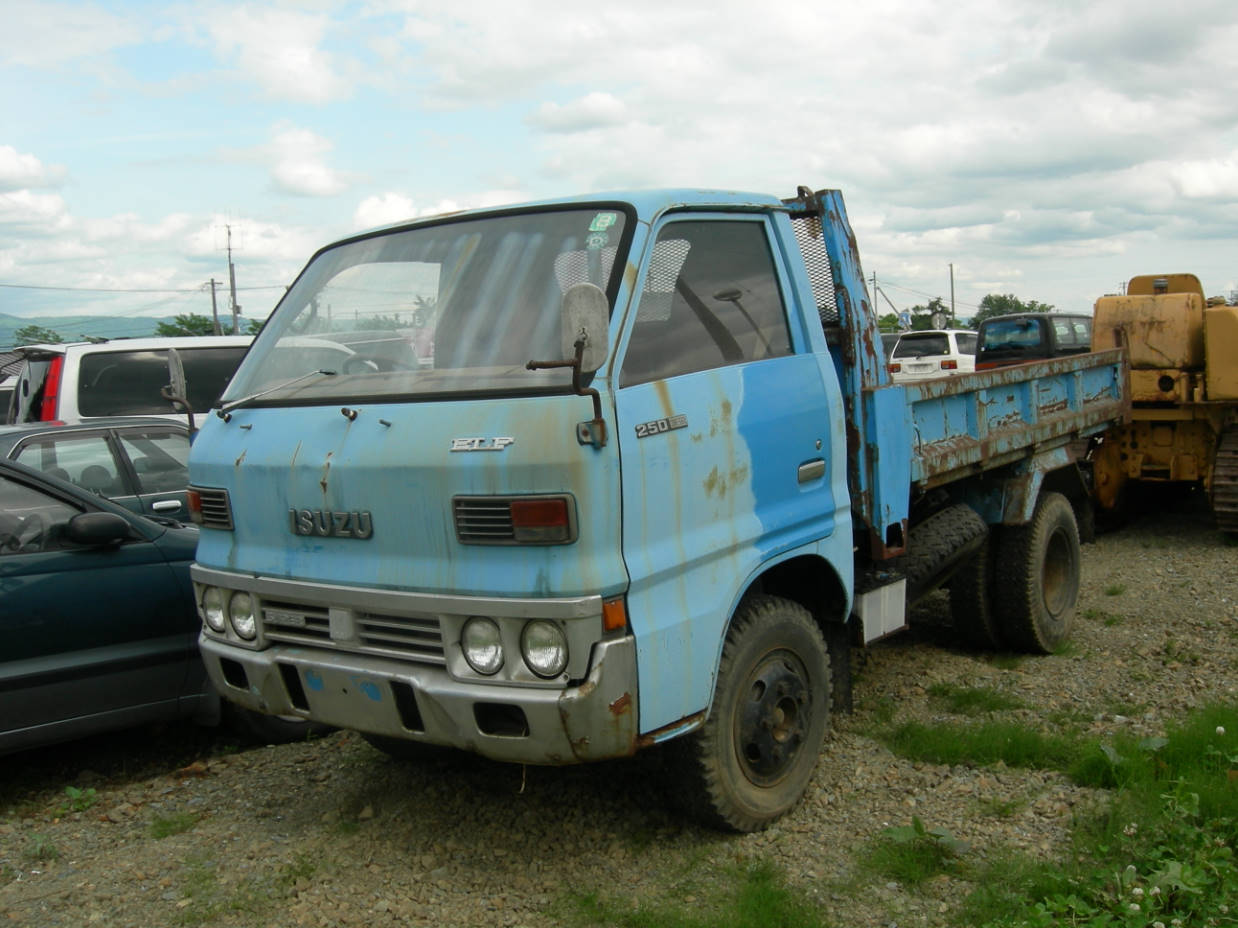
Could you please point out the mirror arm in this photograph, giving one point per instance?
(591, 433)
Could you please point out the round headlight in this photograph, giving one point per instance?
(544, 648)
(241, 612)
(481, 645)
(213, 608)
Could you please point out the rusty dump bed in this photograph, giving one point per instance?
(973, 422)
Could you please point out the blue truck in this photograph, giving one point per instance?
(617, 470)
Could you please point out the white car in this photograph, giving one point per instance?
(932, 353)
(84, 380)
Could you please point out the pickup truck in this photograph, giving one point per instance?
(650, 483)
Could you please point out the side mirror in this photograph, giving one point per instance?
(586, 314)
(97, 529)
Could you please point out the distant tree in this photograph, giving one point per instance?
(922, 316)
(187, 324)
(1003, 304)
(253, 326)
(36, 335)
(887, 323)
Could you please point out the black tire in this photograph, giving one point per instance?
(750, 762)
(1036, 576)
(972, 607)
(271, 729)
(937, 546)
(404, 748)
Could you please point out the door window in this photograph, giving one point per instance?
(710, 299)
(86, 460)
(30, 520)
(160, 459)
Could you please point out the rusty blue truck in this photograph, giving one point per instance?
(618, 470)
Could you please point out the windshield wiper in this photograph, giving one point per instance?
(224, 411)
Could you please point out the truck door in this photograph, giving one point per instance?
(724, 431)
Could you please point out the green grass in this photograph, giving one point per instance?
(39, 848)
(972, 700)
(207, 898)
(912, 854)
(1164, 842)
(79, 799)
(165, 826)
(755, 896)
(1115, 589)
(1012, 743)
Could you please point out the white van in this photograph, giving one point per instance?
(85, 380)
(932, 353)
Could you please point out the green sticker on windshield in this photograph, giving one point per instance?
(603, 221)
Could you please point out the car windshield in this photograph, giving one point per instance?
(1011, 333)
(448, 308)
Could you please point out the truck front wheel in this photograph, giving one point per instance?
(1037, 576)
(752, 759)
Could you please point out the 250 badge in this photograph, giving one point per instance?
(658, 426)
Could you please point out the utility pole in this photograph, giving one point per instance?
(954, 323)
(215, 307)
(236, 310)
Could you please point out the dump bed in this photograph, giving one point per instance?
(969, 423)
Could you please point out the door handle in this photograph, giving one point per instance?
(813, 470)
(166, 505)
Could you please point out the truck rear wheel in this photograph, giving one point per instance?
(1036, 573)
(971, 599)
(754, 756)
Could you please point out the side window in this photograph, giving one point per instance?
(967, 343)
(710, 299)
(207, 372)
(123, 383)
(86, 460)
(30, 520)
(160, 457)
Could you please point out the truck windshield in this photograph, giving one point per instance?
(447, 308)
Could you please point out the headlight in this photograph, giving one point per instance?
(481, 645)
(241, 612)
(544, 648)
(213, 608)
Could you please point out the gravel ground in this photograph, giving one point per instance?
(183, 828)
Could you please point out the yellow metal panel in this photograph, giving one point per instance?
(1147, 284)
(1161, 331)
(1221, 326)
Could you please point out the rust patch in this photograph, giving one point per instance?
(238, 461)
(326, 472)
(621, 705)
(650, 739)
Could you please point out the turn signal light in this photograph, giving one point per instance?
(194, 499)
(894, 368)
(949, 365)
(541, 520)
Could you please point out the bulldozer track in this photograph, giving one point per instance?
(1225, 481)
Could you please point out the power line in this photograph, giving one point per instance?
(126, 290)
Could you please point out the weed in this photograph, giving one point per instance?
(79, 800)
(883, 710)
(1002, 808)
(1007, 661)
(40, 848)
(756, 896)
(1115, 589)
(972, 700)
(167, 825)
(913, 853)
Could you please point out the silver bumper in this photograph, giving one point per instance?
(592, 721)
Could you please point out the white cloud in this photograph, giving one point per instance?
(37, 213)
(589, 112)
(20, 171)
(383, 209)
(299, 166)
(39, 34)
(281, 50)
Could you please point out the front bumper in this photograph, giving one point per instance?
(592, 721)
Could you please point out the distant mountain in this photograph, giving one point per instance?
(79, 328)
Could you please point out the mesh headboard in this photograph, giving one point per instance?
(817, 260)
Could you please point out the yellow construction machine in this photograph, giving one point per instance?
(1183, 351)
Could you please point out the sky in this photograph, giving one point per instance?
(1049, 150)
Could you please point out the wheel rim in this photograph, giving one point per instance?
(1056, 577)
(772, 718)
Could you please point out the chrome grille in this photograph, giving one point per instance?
(417, 638)
(216, 508)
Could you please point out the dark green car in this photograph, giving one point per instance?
(98, 626)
